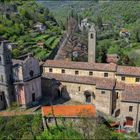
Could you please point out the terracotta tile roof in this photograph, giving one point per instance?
(70, 111)
(131, 93)
(80, 65)
(103, 83)
(128, 70)
(120, 86)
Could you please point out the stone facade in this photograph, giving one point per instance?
(6, 95)
(111, 88)
(27, 81)
(20, 80)
(92, 44)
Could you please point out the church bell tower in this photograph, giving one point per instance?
(92, 44)
(5, 75)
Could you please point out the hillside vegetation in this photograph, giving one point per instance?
(17, 24)
(110, 17)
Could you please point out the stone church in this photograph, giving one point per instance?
(20, 80)
(113, 89)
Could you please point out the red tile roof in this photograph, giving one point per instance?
(80, 65)
(128, 70)
(131, 93)
(70, 111)
(103, 83)
(112, 58)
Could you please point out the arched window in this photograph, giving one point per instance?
(87, 96)
(31, 73)
(91, 35)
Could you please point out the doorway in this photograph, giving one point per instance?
(87, 97)
(33, 97)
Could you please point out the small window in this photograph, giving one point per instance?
(76, 72)
(105, 74)
(130, 108)
(137, 80)
(90, 73)
(62, 71)
(79, 88)
(91, 35)
(103, 92)
(123, 78)
(117, 95)
(50, 120)
(1, 97)
(50, 70)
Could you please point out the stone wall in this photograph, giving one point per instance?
(128, 79)
(135, 114)
(104, 101)
(81, 72)
(76, 91)
(30, 87)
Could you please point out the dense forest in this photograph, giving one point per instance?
(19, 21)
(110, 18)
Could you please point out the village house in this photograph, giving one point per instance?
(27, 81)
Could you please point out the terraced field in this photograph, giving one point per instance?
(50, 42)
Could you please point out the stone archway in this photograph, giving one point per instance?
(117, 113)
(88, 96)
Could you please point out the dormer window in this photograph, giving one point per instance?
(31, 73)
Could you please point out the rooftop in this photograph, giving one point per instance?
(80, 65)
(103, 83)
(70, 111)
(131, 93)
(128, 70)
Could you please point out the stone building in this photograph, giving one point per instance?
(27, 81)
(113, 89)
(6, 90)
(20, 80)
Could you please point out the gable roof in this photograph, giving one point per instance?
(128, 70)
(80, 65)
(101, 83)
(69, 111)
